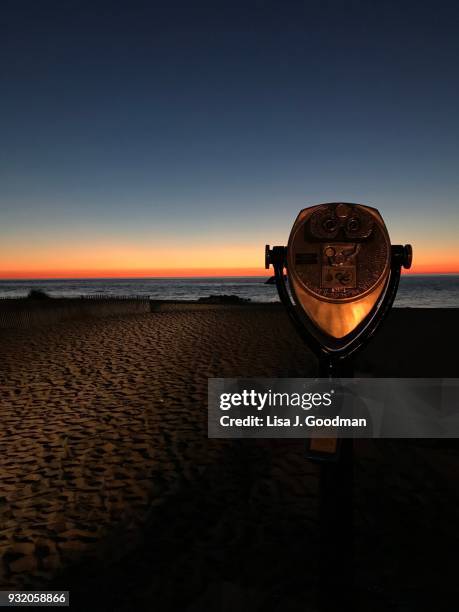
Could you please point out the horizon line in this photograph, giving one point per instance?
(260, 274)
(421, 266)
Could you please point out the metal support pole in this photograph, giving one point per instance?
(336, 590)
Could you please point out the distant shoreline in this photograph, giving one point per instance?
(416, 291)
(174, 278)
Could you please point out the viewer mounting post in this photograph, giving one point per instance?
(343, 276)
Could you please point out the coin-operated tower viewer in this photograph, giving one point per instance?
(343, 274)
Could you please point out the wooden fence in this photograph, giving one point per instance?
(26, 312)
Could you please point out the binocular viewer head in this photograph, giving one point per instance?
(341, 268)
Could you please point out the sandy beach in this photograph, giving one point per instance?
(105, 462)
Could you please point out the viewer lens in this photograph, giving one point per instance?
(353, 225)
(329, 225)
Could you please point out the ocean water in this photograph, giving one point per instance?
(415, 291)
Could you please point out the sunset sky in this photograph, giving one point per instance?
(143, 140)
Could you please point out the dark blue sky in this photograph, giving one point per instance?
(139, 124)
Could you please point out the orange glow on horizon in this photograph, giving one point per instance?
(179, 272)
(109, 260)
(432, 269)
(127, 273)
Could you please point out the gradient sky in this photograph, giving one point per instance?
(140, 139)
